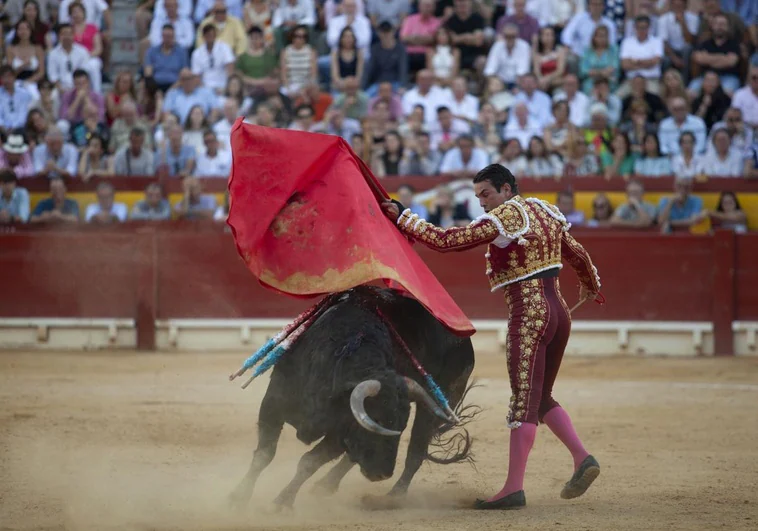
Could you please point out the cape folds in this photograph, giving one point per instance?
(306, 218)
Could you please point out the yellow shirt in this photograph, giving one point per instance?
(233, 33)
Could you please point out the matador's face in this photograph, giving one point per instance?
(489, 197)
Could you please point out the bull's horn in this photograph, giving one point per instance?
(416, 393)
(365, 389)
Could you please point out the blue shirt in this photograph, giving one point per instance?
(18, 204)
(166, 67)
(692, 206)
(746, 9)
(14, 107)
(48, 205)
(180, 103)
(175, 162)
(420, 210)
(669, 133)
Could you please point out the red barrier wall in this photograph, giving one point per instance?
(746, 273)
(177, 270)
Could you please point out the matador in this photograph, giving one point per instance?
(527, 241)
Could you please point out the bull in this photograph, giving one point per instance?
(348, 382)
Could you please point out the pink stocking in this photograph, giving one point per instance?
(522, 440)
(560, 424)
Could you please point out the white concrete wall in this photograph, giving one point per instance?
(599, 338)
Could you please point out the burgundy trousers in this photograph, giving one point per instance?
(538, 331)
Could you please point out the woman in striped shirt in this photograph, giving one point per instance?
(298, 62)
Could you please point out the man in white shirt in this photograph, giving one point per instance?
(641, 55)
(464, 161)
(746, 98)
(577, 34)
(427, 94)
(446, 131)
(509, 58)
(105, 210)
(67, 57)
(214, 61)
(214, 162)
(677, 29)
(185, 8)
(361, 26)
(733, 123)
(539, 104)
(578, 101)
(464, 106)
(184, 30)
(289, 15)
(722, 160)
(223, 128)
(15, 101)
(522, 125)
(680, 121)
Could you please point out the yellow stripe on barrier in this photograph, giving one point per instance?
(129, 198)
(583, 200)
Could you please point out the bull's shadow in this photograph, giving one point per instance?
(347, 382)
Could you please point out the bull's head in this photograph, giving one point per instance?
(381, 409)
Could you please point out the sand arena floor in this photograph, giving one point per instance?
(124, 441)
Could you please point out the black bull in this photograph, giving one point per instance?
(348, 382)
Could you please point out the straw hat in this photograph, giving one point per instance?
(15, 144)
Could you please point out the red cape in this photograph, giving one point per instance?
(306, 217)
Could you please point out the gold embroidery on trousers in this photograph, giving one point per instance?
(530, 330)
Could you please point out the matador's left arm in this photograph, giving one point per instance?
(579, 260)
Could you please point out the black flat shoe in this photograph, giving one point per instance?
(587, 472)
(517, 500)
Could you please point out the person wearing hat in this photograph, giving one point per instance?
(14, 201)
(15, 156)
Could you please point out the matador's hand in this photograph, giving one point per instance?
(586, 295)
(391, 210)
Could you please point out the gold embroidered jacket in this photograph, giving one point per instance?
(539, 228)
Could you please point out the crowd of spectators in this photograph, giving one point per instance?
(546, 87)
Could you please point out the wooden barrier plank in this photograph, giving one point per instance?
(147, 288)
(723, 301)
(746, 277)
(192, 270)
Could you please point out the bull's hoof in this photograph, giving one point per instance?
(239, 499)
(382, 503)
(324, 488)
(283, 505)
(398, 491)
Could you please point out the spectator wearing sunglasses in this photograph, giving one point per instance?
(214, 60)
(66, 58)
(14, 101)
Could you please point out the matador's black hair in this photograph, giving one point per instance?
(497, 175)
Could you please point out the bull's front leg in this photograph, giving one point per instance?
(424, 426)
(269, 429)
(327, 450)
(331, 482)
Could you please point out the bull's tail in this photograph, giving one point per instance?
(452, 443)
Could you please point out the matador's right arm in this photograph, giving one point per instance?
(478, 232)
